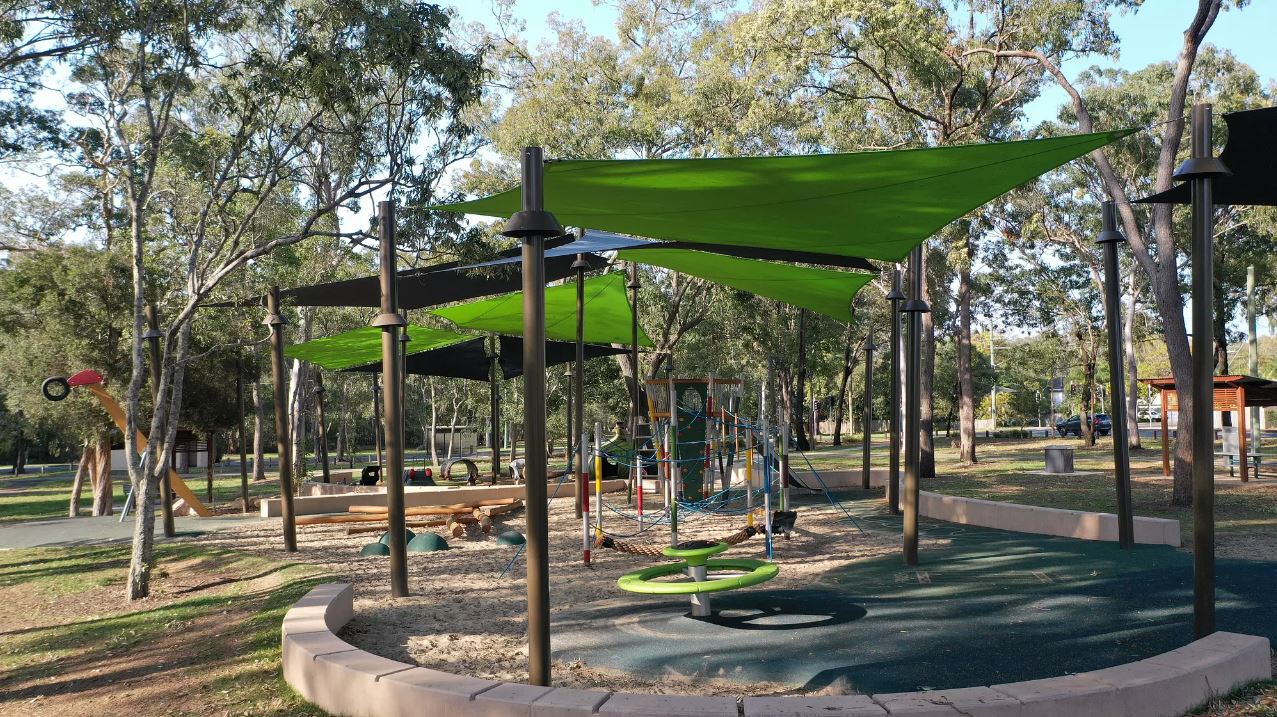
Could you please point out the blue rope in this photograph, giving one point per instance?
(828, 496)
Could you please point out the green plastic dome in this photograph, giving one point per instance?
(373, 549)
(408, 536)
(511, 537)
(427, 543)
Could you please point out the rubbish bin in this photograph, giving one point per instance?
(1059, 459)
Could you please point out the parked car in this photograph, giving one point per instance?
(1073, 425)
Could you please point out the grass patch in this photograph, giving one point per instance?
(209, 634)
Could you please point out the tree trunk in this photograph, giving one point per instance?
(341, 420)
(77, 484)
(103, 491)
(799, 424)
(212, 453)
(1132, 367)
(848, 358)
(926, 387)
(966, 384)
(259, 451)
(452, 430)
(298, 394)
(434, 426)
(1086, 420)
(1221, 356)
(20, 453)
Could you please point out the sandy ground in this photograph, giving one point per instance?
(464, 617)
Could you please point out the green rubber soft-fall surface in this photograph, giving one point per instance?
(988, 607)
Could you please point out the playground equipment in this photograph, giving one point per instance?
(697, 565)
(698, 432)
(58, 388)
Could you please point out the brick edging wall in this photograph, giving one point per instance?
(345, 680)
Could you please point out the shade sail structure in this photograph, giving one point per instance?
(469, 359)
(824, 291)
(430, 286)
(363, 345)
(1250, 154)
(876, 205)
(600, 242)
(607, 313)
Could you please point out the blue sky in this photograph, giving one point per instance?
(1154, 34)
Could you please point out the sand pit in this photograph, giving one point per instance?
(463, 617)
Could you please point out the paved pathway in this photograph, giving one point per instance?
(106, 529)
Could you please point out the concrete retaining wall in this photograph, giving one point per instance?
(413, 496)
(347, 681)
(1043, 521)
(997, 514)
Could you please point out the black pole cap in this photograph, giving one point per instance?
(275, 320)
(1109, 233)
(153, 334)
(532, 223)
(896, 294)
(1199, 167)
(388, 320)
(916, 306)
(868, 346)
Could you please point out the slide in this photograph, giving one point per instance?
(92, 380)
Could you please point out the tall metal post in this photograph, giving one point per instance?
(276, 322)
(1109, 239)
(1199, 170)
(896, 297)
(868, 410)
(243, 448)
(1252, 339)
(579, 266)
(532, 225)
(914, 308)
(153, 336)
(633, 286)
(323, 428)
(376, 421)
(390, 322)
(494, 404)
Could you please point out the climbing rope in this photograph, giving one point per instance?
(656, 551)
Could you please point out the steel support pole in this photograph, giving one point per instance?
(153, 336)
(532, 225)
(1252, 340)
(322, 428)
(867, 414)
(243, 449)
(579, 266)
(391, 322)
(494, 404)
(1199, 170)
(914, 308)
(896, 297)
(276, 321)
(633, 286)
(1109, 239)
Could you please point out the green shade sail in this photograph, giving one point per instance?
(607, 313)
(363, 345)
(824, 291)
(876, 205)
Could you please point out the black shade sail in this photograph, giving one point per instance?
(1251, 156)
(432, 285)
(469, 359)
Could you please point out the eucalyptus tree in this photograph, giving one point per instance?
(211, 109)
(1153, 240)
